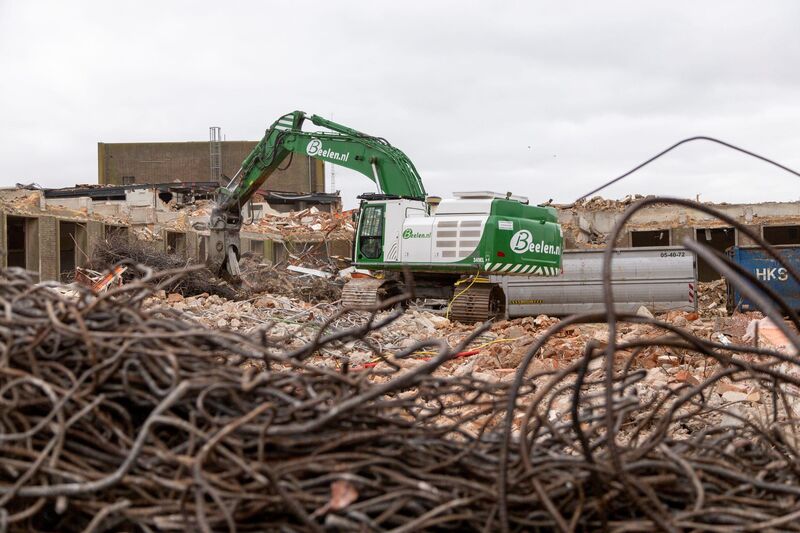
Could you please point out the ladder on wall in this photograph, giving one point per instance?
(215, 145)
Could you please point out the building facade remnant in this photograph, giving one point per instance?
(51, 232)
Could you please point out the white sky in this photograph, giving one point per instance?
(545, 99)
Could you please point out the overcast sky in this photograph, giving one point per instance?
(545, 99)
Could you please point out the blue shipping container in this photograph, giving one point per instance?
(768, 271)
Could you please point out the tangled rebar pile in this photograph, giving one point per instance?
(114, 416)
(116, 249)
(118, 417)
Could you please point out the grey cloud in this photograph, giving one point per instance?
(463, 87)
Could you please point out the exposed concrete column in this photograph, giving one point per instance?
(624, 239)
(94, 234)
(32, 244)
(318, 167)
(678, 234)
(744, 240)
(48, 248)
(3, 243)
(269, 250)
(192, 246)
(279, 251)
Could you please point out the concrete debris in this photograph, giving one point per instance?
(712, 297)
(497, 352)
(598, 203)
(723, 339)
(197, 375)
(305, 223)
(764, 332)
(309, 271)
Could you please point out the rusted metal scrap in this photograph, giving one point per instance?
(114, 416)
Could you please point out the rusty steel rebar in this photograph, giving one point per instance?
(119, 416)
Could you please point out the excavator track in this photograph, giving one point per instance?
(478, 303)
(367, 293)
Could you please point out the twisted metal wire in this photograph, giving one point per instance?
(628, 458)
(119, 416)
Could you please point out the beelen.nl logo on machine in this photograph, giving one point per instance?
(522, 241)
(410, 234)
(314, 148)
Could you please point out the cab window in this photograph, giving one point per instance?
(371, 237)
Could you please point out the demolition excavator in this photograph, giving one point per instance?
(450, 246)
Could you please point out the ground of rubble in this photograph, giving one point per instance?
(497, 353)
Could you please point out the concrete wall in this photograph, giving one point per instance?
(191, 161)
(679, 234)
(48, 248)
(192, 245)
(32, 244)
(675, 219)
(146, 215)
(587, 227)
(268, 246)
(94, 235)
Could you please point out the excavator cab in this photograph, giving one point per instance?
(370, 232)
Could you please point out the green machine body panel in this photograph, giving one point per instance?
(509, 237)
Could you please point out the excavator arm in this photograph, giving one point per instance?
(387, 166)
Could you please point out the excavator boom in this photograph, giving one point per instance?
(392, 171)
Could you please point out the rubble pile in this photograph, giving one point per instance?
(712, 297)
(322, 284)
(495, 354)
(598, 203)
(119, 249)
(306, 222)
(257, 276)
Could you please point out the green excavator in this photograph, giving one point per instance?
(450, 246)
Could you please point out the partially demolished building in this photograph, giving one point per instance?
(53, 231)
(589, 223)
